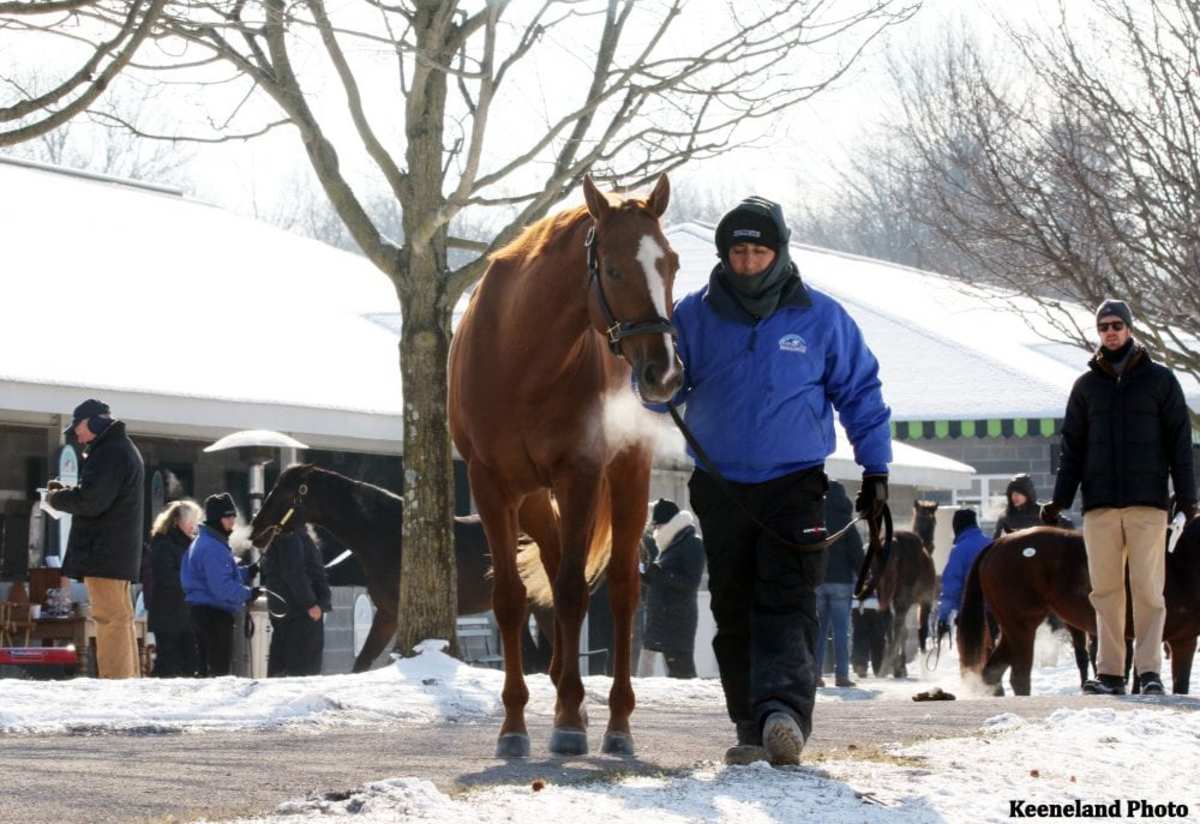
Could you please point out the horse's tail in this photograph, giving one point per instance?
(972, 624)
(538, 586)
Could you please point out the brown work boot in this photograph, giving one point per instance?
(749, 746)
(783, 739)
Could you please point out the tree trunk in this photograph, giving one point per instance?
(428, 577)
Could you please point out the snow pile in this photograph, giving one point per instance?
(431, 687)
(1088, 755)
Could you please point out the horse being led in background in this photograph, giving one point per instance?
(909, 579)
(1024, 576)
(560, 322)
(368, 520)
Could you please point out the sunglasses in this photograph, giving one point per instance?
(1115, 325)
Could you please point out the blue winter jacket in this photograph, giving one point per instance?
(760, 394)
(210, 576)
(967, 546)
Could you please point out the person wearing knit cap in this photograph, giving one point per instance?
(767, 362)
(672, 580)
(969, 541)
(214, 586)
(1125, 434)
(105, 545)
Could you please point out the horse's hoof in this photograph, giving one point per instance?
(568, 742)
(617, 743)
(513, 745)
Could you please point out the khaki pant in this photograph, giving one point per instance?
(116, 641)
(1111, 535)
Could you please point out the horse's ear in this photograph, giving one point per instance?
(597, 204)
(660, 197)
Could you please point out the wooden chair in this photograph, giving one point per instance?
(17, 623)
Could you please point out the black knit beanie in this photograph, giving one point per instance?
(1111, 306)
(963, 519)
(217, 507)
(664, 510)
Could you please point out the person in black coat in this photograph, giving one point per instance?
(298, 595)
(105, 545)
(842, 561)
(1021, 510)
(170, 617)
(672, 581)
(1126, 432)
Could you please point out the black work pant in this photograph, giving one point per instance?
(176, 654)
(297, 643)
(764, 591)
(680, 665)
(214, 635)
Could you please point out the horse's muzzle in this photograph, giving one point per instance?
(656, 384)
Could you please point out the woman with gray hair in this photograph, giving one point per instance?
(170, 619)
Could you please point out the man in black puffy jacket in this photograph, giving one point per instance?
(1126, 431)
(298, 596)
(105, 546)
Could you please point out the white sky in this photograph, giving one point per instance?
(796, 161)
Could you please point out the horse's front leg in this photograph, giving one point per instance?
(582, 511)
(628, 520)
(383, 629)
(499, 517)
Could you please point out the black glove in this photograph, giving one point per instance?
(1050, 513)
(1188, 508)
(943, 629)
(872, 495)
(254, 593)
(252, 569)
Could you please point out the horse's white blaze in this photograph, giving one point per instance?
(648, 254)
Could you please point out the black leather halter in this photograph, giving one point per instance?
(616, 330)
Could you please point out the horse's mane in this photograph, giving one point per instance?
(373, 499)
(542, 236)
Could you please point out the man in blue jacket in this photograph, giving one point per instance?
(766, 361)
(969, 541)
(214, 586)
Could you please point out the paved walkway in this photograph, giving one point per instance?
(109, 778)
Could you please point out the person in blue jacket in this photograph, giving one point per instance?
(766, 362)
(214, 586)
(969, 541)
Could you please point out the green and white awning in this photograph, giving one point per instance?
(984, 428)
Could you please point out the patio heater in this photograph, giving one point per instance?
(252, 629)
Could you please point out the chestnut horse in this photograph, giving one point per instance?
(1026, 575)
(909, 579)
(545, 349)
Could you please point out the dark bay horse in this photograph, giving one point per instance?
(1025, 576)
(909, 579)
(540, 403)
(368, 520)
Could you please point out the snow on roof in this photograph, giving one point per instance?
(119, 288)
(945, 351)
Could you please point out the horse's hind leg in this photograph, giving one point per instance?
(383, 629)
(628, 516)
(538, 520)
(997, 662)
(499, 517)
(899, 650)
(1182, 653)
(1079, 645)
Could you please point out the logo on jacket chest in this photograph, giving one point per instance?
(793, 343)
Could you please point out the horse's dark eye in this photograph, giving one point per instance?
(613, 273)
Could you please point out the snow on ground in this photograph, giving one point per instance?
(428, 688)
(1090, 755)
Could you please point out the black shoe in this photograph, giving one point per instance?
(820, 683)
(749, 748)
(1105, 685)
(1150, 683)
(845, 682)
(782, 739)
